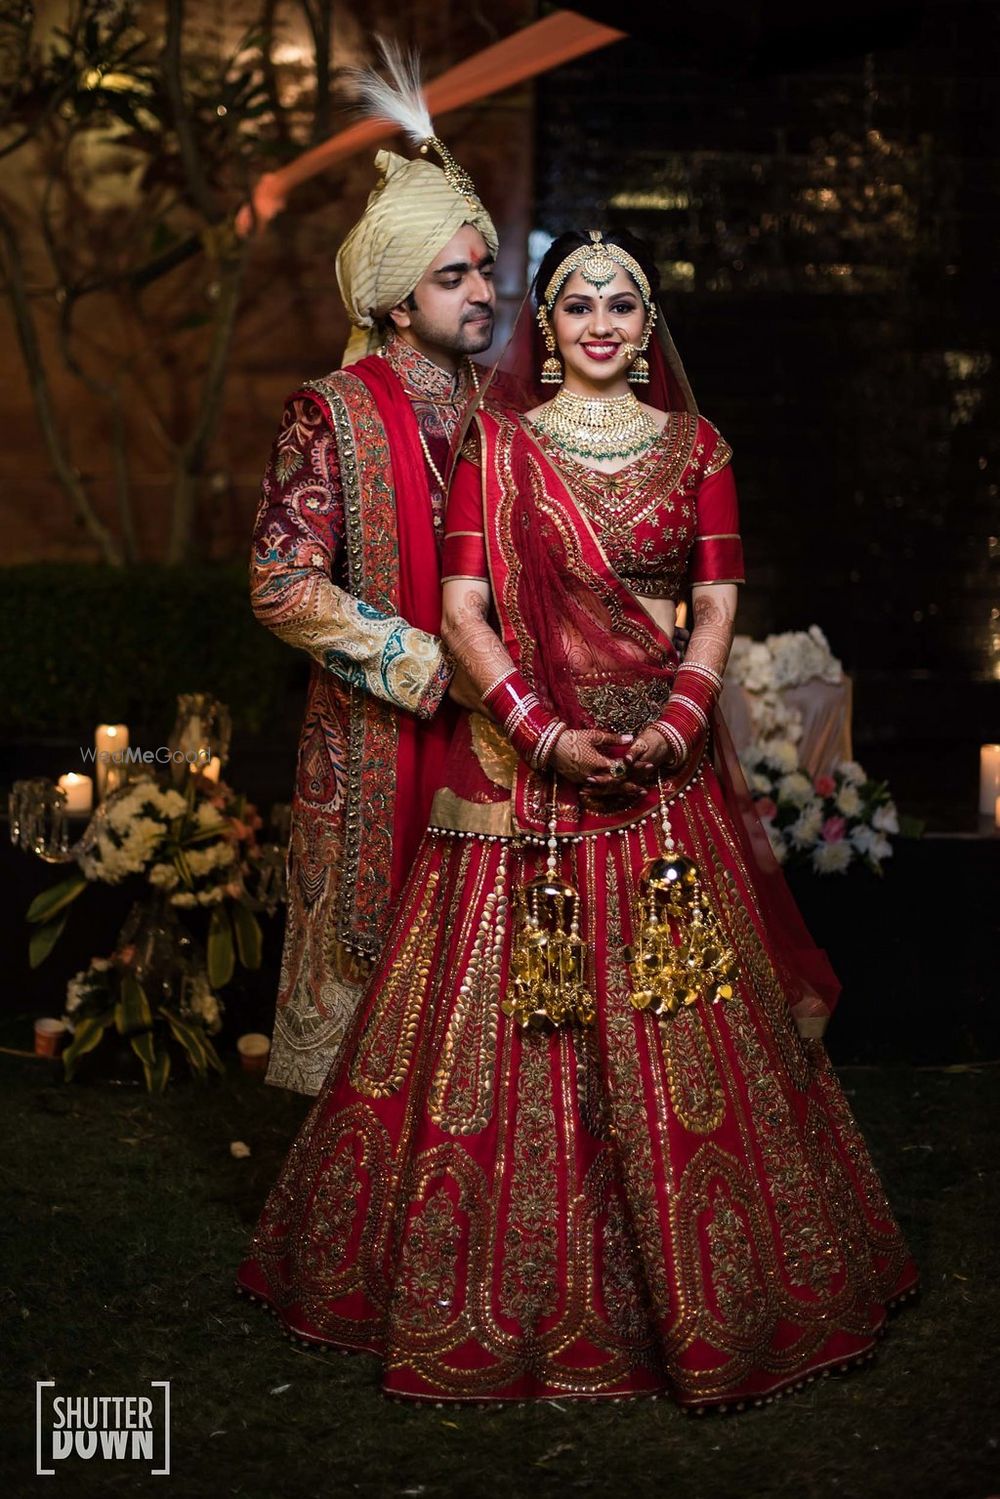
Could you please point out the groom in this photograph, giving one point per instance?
(346, 565)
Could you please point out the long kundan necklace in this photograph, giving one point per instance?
(598, 427)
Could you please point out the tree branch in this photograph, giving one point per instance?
(194, 450)
(197, 181)
(28, 338)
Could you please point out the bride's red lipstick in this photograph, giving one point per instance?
(601, 352)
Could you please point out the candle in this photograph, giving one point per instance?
(110, 742)
(210, 771)
(989, 778)
(996, 815)
(79, 793)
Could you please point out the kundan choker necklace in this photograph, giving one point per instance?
(598, 427)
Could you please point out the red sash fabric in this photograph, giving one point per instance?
(422, 746)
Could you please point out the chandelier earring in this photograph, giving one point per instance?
(639, 373)
(552, 372)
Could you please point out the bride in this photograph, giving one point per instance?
(585, 1140)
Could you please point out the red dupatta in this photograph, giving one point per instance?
(421, 746)
(563, 614)
(566, 619)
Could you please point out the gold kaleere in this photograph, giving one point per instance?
(680, 954)
(548, 966)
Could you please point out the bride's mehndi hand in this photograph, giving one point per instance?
(651, 752)
(579, 755)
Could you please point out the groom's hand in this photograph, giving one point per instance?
(463, 693)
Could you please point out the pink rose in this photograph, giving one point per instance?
(766, 808)
(834, 829)
(825, 785)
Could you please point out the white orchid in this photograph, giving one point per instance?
(886, 818)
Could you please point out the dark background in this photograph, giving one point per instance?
(823, 195)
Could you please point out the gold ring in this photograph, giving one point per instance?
(619, 770)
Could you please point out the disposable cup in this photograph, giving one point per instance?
(254, 1049)
(49, 1036)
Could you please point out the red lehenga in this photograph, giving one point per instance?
(680, 1205)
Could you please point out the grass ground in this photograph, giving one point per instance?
(125, 1217)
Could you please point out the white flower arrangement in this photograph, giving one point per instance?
(189, 850)
(785, 660)
(188, 846)
(828, 823)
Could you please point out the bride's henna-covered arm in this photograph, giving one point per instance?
(538, 736)
(671, 737)
(714, 625)
(466, 631)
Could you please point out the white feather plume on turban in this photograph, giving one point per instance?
(414, 210)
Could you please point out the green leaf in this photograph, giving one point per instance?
(44, 938)
(205, 835)
(86, 1036)
(200, 1051)
(132, 1012)
(183, 868)
(911, 827)
(156, 1065)
(50, 901)
(221, 958)
(249, 941)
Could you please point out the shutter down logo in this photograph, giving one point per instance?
(133, 1429)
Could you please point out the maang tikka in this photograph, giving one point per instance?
(597, 260)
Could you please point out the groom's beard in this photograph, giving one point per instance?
(473, 335)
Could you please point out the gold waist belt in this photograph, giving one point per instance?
(622, 707)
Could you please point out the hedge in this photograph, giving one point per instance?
(85, 644)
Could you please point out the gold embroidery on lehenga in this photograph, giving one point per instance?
(851, 1138)
(529, 1285)
(628, 1109)
(439, 1250)
(383, 1056)
(621, 1282)
(809, 1250)
(311, 1219)
(591, 1099)
(810, 1254)
(753, 955)
(428, 1266)
(736, 1283)
(331, 1214)
(461, 1096)
(696, 1094)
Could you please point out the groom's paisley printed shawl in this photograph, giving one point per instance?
(325, 576)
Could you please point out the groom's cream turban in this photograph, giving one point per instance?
(411, 215)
